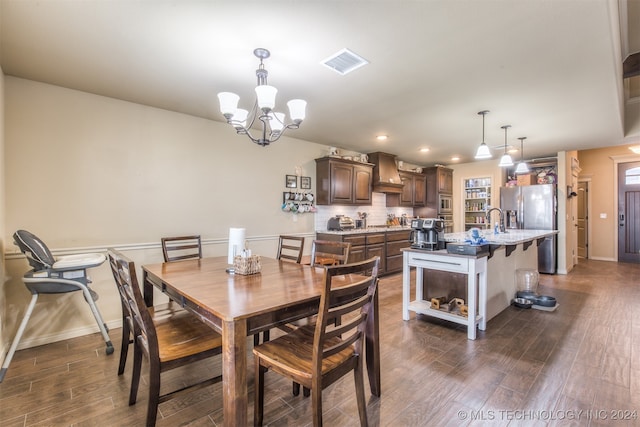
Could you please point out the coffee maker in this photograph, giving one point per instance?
(427, 233)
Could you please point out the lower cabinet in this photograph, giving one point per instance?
(396, 241)
(387, 245)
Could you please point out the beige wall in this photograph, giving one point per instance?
(599, 167)
(86, 172)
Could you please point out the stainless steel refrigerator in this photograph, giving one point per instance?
(535, 208)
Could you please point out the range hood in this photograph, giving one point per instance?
(385, 173)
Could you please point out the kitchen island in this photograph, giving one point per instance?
(490, 285)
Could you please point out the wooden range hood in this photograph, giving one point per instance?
(385, 173)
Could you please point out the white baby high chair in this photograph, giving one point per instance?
(54, 276)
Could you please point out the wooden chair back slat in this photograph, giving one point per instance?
(290, 248)
(327, 252)
(181, 247)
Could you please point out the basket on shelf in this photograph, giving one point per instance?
(247, 265)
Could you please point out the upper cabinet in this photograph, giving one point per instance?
(444, 178)
(414, 190)
(439, 181)
(343, 182)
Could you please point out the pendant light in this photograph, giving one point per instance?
(505, 160)
(483, 150)
(522, 166)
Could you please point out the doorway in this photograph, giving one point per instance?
(583, 219)
(629, 212)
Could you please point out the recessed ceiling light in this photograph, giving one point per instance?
(455, 158)
(635, 149)
(512, 150)
(381, 137)
(424, 150)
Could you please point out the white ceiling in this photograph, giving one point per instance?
(550, 69)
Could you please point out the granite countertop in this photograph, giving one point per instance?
(511, 237)
(370, 229)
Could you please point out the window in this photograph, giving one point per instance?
(632, 176)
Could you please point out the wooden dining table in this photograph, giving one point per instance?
(238, 306)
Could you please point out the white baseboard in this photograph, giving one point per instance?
(64, 335)
(595, 258)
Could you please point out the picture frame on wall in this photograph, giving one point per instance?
(305, 182)
(291, 181)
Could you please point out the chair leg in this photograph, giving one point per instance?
(154, 392)
(258, 405)
(306, 392)
(359, 380)
(296, 389)
(135, 376)
(316, 399)
(16, 340)
(124, 345)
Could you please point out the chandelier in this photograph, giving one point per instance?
(271, 124)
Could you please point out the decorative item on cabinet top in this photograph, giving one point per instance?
(298, 202)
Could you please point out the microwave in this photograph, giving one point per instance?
(445, 204)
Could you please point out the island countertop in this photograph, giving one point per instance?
(511, 237)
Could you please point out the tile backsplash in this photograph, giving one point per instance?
(376, 213)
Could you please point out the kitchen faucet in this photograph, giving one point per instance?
(502, 226)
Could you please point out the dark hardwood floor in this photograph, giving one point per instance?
(579, 365)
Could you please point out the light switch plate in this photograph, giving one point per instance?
(603, 216)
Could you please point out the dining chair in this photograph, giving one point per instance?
(327, 252)
(181, 247)
(166, 340)
(323, 252)
(316, 356)
(290, 248)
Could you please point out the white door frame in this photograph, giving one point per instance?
(624, 158)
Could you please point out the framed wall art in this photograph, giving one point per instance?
(305, 182)
(291, 181)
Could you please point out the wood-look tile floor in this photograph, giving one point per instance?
(577, 366)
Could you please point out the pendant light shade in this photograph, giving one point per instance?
(522, 166)
(483, 150)
(505, 160)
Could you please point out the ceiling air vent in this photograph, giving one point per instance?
(344, 62)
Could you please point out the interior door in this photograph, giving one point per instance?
(629, 212)
(583, 220)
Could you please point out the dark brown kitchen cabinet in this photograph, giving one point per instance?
(439, 181)
(396, 241)
(444, 180)
(363, 246)
(414, 191)
(343, 182)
